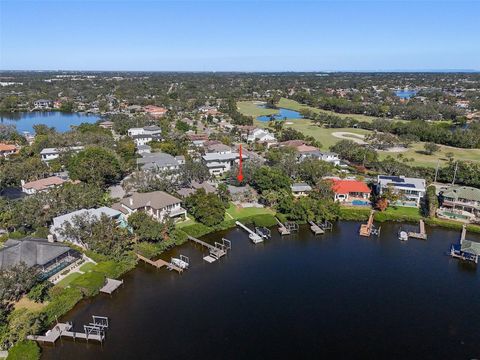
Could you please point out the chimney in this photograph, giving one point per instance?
(22, 182)
(50, 238)
(130, 200)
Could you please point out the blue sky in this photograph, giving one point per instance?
(239, 35)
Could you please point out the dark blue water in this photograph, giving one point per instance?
(24, 121)
(303, 297)
(405, 94)
(282, 114)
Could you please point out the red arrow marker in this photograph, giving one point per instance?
(240, 175)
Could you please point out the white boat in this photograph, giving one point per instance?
(180, 263)
(403, 235)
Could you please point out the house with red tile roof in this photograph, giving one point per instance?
(351, 192)
(7, 149)
(155, 111)
(33, 187)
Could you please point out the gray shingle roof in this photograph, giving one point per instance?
(31, 251)
(156, 200)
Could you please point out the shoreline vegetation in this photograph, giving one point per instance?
(87, 285)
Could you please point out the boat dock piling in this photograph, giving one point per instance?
(281, 228)
(315, 228)
(216, 251)
(93, 331)
(422, 235)
(253, 236)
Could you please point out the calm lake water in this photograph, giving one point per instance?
(405, 94)
(282, 114)
(24, 121)
(302, 297)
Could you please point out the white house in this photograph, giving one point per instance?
(142, 136)
(219, 163)
(410, 190)
(43, 104)
(260, 135)
(46, 184)
(157, 204)
(320, 155)
(48, 154)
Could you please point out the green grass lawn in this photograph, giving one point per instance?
(422, 159)
(399, 213)
(239, 213)
(250, 108)
(66, 281)
(87, 267)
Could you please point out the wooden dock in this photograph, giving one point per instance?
(422, 234)
(93, 331)
(110, 286)
(251, 235)
(366, 229)
(317, 230)
(160, 263)
(216, 251)
(281, 228)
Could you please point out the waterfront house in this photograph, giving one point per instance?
(43, 104)
(45, 184)
(410, 190)
(49, 154)
(242, 194)
(7, 149)
(351, 192)
(157, 204)
(460, 203)
(60, 222)
(300, 189)
(45, 256)
(160, 161)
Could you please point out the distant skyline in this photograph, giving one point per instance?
(239, 35)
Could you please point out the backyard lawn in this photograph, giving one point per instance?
(87, 267)
(234, 212)
(66, 281)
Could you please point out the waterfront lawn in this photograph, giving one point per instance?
(236, 213)
(399, 213)
(24, 350)
(250, 108)
(87, 267)
(67, 280)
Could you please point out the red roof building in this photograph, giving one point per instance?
(155, 111)
(6, 149)
(353, 192)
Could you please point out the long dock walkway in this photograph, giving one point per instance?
(366, 229)
(315, 228)
(160, 263)
(422, 234)
(253, 236)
